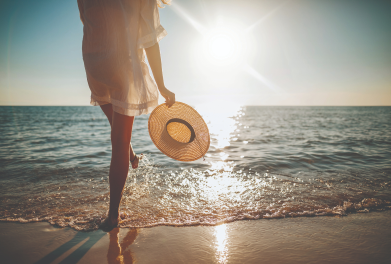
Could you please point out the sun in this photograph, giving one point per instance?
(222, 46)
(222, 53)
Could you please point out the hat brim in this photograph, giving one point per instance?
(191, 151)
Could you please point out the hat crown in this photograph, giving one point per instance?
(180, 130)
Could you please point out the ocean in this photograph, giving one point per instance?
(263, 162)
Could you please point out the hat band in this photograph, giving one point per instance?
(177, 120)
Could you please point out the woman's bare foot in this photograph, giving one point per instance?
(136, 160)
(110, 222)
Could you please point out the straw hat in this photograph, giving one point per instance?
(179, 132)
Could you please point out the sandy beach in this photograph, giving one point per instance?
(356, 238)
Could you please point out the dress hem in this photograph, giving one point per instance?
(129, 110)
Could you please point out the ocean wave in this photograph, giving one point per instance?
(158, 196)
(93, 221)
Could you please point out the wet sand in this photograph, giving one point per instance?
(356, 238)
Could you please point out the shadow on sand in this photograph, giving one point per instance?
(117, 252)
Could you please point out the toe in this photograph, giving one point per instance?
(135, 162)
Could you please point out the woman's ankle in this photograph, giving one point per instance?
(113, 214)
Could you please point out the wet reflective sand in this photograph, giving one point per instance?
(356, 238)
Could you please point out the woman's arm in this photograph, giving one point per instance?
(153, 55)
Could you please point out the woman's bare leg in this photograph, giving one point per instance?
(121, 133)
(108, 110)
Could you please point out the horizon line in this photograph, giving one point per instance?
(237, 104)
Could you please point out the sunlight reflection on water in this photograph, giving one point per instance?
(221, 165)
(221, 123)
(221, 241)
(225, 185)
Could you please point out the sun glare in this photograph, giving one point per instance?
(226, 50)
(222, 47)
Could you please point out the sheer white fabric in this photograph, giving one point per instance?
(116, 32)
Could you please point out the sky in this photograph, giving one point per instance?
(259, 52)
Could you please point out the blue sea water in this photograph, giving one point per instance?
(263, 162)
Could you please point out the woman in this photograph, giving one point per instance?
(116, 33)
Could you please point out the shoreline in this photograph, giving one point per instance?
(355, 238)
(367, 205)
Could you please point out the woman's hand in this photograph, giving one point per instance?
(168, 95)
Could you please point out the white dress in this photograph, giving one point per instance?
(116, 32)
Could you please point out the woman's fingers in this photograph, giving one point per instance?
(169, 96)
(172, 99)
